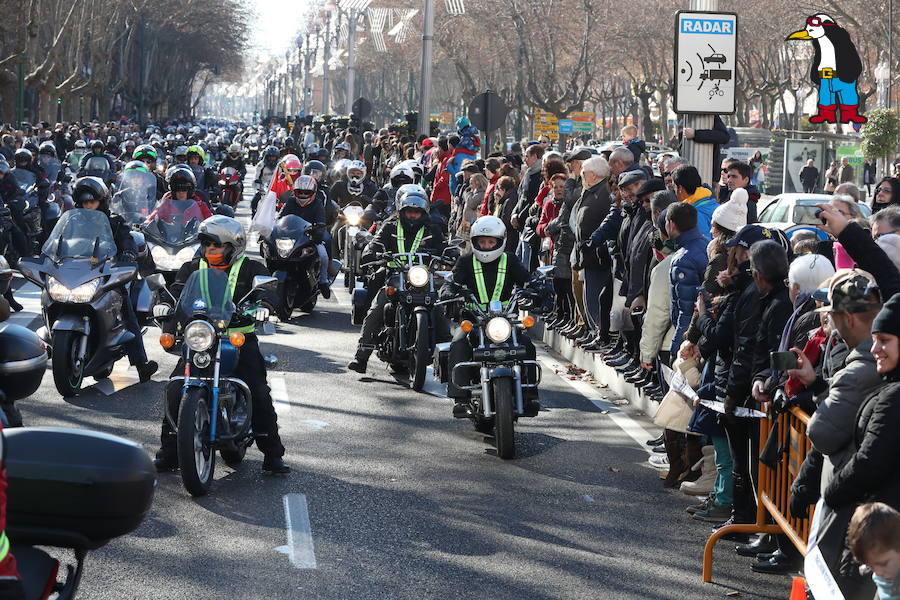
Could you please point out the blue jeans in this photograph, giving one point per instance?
(323, 263)
(523, 253)
(834, 91)
(136, 353)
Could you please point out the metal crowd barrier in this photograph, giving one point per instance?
(774, 487)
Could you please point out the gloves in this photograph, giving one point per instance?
(798, 504)
(161, 311)
(261, 314)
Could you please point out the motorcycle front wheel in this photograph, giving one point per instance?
(504, 433)
(196, 455)
(68, 372)
(421, 352)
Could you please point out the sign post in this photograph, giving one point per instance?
(487, 112)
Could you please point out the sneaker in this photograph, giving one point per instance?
(694, 508)
(660, 461)
(658, 441)
(713, 513)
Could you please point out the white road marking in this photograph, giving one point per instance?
(315, 424)
(618, 416)
(279, 393)
(299, 533)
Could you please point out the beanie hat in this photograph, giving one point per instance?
(462, 123)
(733, 214)
(888, 318)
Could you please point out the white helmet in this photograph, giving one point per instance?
(488, 227)
(416, 167)
(405, 171)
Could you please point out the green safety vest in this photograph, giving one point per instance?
(483, 299)
(401, 243)
(232, 284)
(4, 546)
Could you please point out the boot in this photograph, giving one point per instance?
(764, 543)
(166, 459)
(707, 480)
(275, 464)
(325, 290)
(146, 370)
(359, 363)
(15, 306)
(744, 506)
(826, 114)
(677, 464)
(461, 408)
(849, 114)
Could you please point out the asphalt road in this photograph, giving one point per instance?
(403, 500)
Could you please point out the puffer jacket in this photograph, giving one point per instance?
(747, 319)
(588, 213)
(717, 333)
(638, 257)
(829, 428)
(688, 266)
(657, 331)
(872, 472)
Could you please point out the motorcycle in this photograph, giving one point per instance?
(408, 338)
(98, 166)
(253, 146)
(71, 489)
(216, 408)
(291, 256)
(354, 240)
(60, 190)
(171, 235)
(501, 364)
(230, 187)
(82, 298)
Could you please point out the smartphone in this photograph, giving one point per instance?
(782, 361)
(818, 214)
(638, 311)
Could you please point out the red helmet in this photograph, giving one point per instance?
(291, 162)
(304, 190)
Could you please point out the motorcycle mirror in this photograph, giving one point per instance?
(457, 241)
(156, 282)
(445, 275)
(261, 282)
(546, 271)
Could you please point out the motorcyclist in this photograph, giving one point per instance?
(235, 159)
(490, 273)
(73, 158)
(302, 201)
(24, 160)
(353, 186)
(92, 194)
(341, 150)
(11, 196)
(179, 155)
(98, 150)
(412, 231)
(223, 242)
(127, 154)
(288, 146)
(207, 179)
(265, 171)
(148, 155)
(383, 202)
(182, 187)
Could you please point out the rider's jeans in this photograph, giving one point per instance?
(323, 263)
(136, 353)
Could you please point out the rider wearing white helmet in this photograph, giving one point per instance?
(490, 273)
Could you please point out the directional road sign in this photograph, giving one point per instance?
(705, 62)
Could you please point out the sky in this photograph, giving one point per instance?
(277, 24)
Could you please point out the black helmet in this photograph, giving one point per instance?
(47, 148)
(97, 145)
(304, 190)
(289, 141)
(22, 157)
(312, 166)
(271, 153)
(412, 201)
(91, 188)
(181, 179)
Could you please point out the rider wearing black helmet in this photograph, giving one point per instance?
(288, 146)
(92, 194)
(411, 231)
(303, 201)
(223, 242)
(98, 150)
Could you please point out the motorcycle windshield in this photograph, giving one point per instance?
(96, 166)
(81, 233)
(51, 166)
(24, 178)
(205, 294)
(136, 197)
(176, 222)
(290, 226)
(75, 159)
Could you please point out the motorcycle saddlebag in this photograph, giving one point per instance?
(74, 488)
(23, 361)
(441, 360)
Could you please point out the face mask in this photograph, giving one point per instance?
(215, 258)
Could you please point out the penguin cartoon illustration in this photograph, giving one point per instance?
(835, 69)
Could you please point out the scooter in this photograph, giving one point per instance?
(291, 256)
(82, 299)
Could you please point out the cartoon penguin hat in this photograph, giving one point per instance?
(834, 69)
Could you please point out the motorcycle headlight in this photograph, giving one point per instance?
(81, 294)
(284, 246)
(172, 262)
(199, 336)
(498, 330)
(417, 276)
(353, 218)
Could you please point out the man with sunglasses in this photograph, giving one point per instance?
(223, 242)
